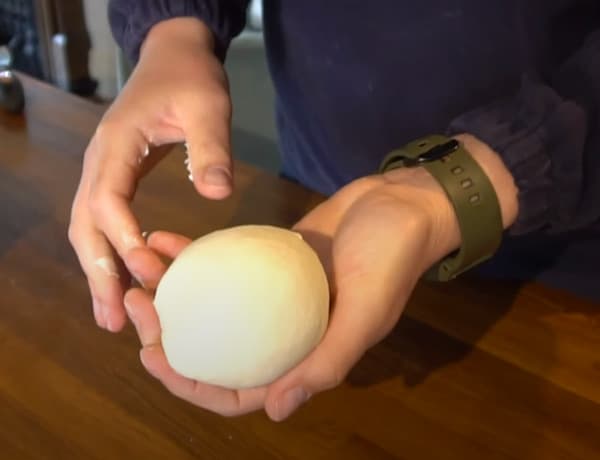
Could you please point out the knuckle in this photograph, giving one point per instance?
(77, 223)
(174, 389)
(73, 234)
(366, 183)
(106, 131)
(213, 152)
(97, 201)
(221, 103)
(335, 376)
(107, 127)
(381, 198)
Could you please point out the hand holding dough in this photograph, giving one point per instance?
(240, 307)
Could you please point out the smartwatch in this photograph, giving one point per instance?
(470, 192)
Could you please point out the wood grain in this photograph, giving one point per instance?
(473, 370)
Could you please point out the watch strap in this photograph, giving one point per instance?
(469, 190)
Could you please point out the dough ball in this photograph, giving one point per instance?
(240, 307)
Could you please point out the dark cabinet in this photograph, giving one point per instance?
(49, 40)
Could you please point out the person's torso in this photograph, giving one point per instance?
(355, 79)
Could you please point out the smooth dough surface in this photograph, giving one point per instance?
(239, 307)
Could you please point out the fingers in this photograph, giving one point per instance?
(142, 314)
(145, 263)
(215, 399)
(97, 309)
(207, 130)
(107, 290)
(326, 367)
(107, 278)
(222, 401)
(113, 165)
(167, 243)
(102, 223)
(145, 266)
(357, 323)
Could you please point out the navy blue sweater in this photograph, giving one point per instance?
(355, 79)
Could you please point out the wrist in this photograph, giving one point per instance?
(180, 33)
(424, 193)
(498, 174)
(418, 191)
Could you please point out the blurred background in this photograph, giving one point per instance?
(68, 43)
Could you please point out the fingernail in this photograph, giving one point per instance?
(217, 176)
(290, 402)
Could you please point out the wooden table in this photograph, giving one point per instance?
(473, 370)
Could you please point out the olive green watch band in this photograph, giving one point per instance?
(469, 190)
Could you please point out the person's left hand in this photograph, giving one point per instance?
(375, 238)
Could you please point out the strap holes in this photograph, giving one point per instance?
(466, 183)
(474, 199)
(457, 170)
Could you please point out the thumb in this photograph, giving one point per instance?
(206, 126)
(362, 316)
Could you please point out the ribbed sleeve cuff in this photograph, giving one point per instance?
(131, 20)
(540, 137)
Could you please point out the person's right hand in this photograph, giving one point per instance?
(178, 92)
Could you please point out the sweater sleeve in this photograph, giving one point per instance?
(131, 20)
(548, 135)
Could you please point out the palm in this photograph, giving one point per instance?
(361, 237)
